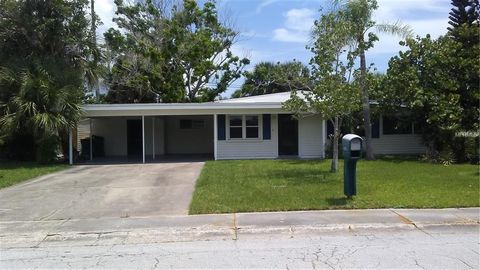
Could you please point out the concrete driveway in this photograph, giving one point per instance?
(98, 191)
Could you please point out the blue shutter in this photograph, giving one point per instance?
(376, 128)
(221, 134)
(266, 127)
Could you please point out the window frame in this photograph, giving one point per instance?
(398, 119)
(244, 127)
(194, 124)
(241, 126)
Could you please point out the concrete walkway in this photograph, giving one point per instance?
(155, 229)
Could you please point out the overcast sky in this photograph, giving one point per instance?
(278, 30)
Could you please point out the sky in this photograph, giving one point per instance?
(278, 30)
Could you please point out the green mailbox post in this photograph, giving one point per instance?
(352, 151)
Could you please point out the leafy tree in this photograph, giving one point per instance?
(44, 47)
(268, 78)
(183, 57)
(418, 81)
(362, 36)
(332, 94)
(465, 25)
(137, 67)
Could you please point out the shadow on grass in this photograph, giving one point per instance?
(304, 176)
(300, 161)
(342, 201)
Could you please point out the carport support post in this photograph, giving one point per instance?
(153, 137)
(91, 140)
(70, 147)
(215, 131)
(143, 138)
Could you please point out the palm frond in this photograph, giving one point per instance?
(7, 75)
(397, 29)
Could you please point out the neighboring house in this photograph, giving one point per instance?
(242, 128)
(391, 136)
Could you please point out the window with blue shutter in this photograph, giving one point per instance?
(221, 134)
(266, 127)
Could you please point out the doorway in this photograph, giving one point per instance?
(134, 138)
(287, 135)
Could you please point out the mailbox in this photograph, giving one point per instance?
(352, 152)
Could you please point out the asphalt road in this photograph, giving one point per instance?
(434, 247)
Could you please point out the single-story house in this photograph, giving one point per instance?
(241, 128)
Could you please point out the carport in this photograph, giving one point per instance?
(145, 138)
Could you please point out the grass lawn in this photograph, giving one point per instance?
(275, 185)
(12, 173)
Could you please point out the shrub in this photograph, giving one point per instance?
(47, 149)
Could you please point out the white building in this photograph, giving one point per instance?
(242, 128)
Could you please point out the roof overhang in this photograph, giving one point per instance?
(208, 108)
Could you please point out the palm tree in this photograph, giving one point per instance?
(43, 106)
(359, 14)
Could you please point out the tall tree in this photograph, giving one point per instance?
(418, 80)
(464, 14)
(185, 57)
(93, 71)
(44, 46)
(332, 94)
(362, 30)
(465, 29)
(268, 78)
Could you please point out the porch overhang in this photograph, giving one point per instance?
(155, 109)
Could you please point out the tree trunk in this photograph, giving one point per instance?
(366, 106)
(336, 133)
(94, 41)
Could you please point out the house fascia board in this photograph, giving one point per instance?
(103, 110)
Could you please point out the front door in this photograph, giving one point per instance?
(134, 138)
(287, 135)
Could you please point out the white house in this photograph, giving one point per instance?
(242, 128)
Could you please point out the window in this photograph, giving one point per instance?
(236, 128)
(191, 124)
(244, 126)
(251, 126)
(395, 125)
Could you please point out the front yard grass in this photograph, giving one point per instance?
(280, 185)
(12, 173)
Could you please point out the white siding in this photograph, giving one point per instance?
(398, 144)
(158, 133)
(83, 132)
(250, 149)
(114, 132)
(189, 141)
(310, 137)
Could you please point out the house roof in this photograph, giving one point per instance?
(267, 98)
(269, 103)
(207, 108)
